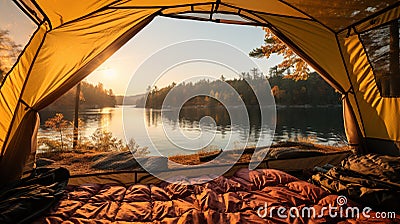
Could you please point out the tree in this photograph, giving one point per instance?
(58, 123)
(136, 150)
(9, 52)
(296, 67)
(91, 96)
(255, 73)
(103, 140)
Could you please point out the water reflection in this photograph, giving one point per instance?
(325, 125)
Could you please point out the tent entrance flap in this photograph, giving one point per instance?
(54, 61)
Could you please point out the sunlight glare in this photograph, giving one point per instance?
(109, 73)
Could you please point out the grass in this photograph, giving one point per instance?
(77, 161)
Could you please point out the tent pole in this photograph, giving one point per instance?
(76, 117)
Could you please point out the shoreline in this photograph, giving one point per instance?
(277, 106)
(80, 161)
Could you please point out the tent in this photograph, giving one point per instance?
(353, 44)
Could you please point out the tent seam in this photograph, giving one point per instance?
(312, 18)
(42, 12)
(162, 6)
(208, 3)
(27, 105)
(36, 20)
(366, 52)
(213, 21)
(89, 14)
(351, 83)
(372, 28)
(305, 57)
(178, 16)
(8, 106)
(369, 17)
(264, 13)
(110, 6)
(150, 16)
(355, 96)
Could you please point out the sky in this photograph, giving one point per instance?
(177, 50)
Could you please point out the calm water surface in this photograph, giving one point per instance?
(322, 125)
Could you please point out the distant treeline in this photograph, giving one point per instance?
(313, 91)
(92, 96)
(127, 100)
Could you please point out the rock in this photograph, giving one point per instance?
(114, 161)
(126, 161)
(154, 163)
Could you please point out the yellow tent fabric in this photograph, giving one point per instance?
(72, 39)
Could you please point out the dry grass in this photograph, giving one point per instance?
(193, 159)
(305, 143)
(76, 161)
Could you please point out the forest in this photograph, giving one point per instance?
(91, 96)
(312, 91)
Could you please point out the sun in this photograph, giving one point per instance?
(109, 73)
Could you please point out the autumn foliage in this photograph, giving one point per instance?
(294, 67)
(9, 52)
(59, 124)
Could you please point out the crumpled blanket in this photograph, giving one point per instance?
(372, 180)
(246, 197)
(26, 199)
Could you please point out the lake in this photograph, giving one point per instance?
(199, 127)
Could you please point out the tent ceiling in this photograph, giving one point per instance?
(340, 14)
(335, 15)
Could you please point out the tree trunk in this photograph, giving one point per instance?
(76, 118)
(62, 143)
